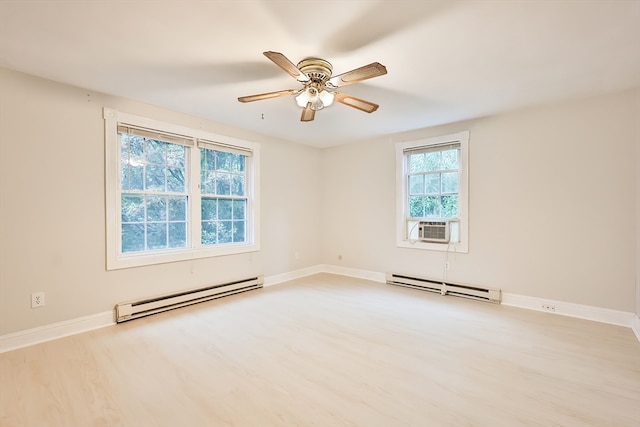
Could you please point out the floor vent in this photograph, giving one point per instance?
(145, 307)
(445, 288)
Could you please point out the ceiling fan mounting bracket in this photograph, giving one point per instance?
(317, 69)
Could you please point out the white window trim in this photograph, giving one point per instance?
(115, 259)
(463, 193)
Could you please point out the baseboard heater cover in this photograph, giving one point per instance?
(446, 288)
(148, 306)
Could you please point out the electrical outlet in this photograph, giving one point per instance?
(547, 307)
(37, 300)
(446, 266)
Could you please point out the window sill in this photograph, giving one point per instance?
(117, 262)
(440, 247)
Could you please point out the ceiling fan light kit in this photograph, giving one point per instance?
(319, 87)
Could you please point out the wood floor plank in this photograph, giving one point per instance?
(330, 350)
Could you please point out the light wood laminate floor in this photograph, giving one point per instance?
(330, 351)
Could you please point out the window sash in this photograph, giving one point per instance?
(433, 148)
(146, 194)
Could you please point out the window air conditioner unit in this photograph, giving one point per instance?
(435, 231)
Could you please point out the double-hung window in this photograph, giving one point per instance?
(432, 188)
(154, 194)
(175, 193)
(224, 198)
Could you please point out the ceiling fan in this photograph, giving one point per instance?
(319, 86)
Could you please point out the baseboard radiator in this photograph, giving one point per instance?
(148, 306)
(445, 288)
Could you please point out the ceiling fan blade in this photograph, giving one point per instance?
(352, 101)
(267, 95)
(307, 114)
(374, 69)
(283, 62)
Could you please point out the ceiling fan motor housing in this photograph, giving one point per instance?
(317, 69)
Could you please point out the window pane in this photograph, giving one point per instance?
(450, 159)
(176, 155)
(239, 209)
(132, 237)
(131, 162)
(178, 235)
(450, 206)
(224, 231)
(207, 159)
(432, 206)
(237, 189)
(135, 177)
(135, 145)
(432, 161)
(124, 148)
(155, 180)
(223, 161)
(156, 152)
(433, 183)
(175, 180)
(209, 233)
(416, 163)
(450, 182)
(238, 231)
(224, 209)
(131, 176)
(416, 184)
(178, 208)
(156, 208)
(237, 163)
(208, 182)
(132, 208)
(223, 184)
(209, 209)
(157, 236)
(416, 207)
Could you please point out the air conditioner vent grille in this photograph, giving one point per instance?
(434, 231)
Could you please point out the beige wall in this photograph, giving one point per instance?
(553, 208)
(552, 204)
(52, 208)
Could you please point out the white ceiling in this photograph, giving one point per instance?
(446, 60)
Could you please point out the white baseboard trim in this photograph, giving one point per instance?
(54, 331)
(636, 326)
(325, 268)
(588, 312)
(292, 275)
(374, 276)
